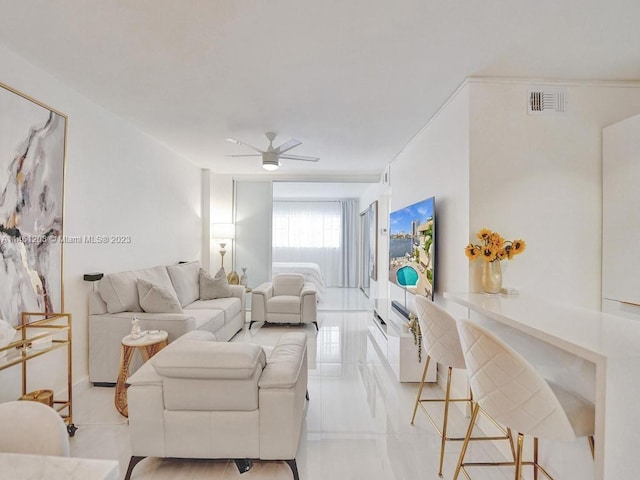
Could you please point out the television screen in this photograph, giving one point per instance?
(412, 248)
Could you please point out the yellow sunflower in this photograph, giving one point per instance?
(472, 251)
(518, 246)
(496, 240)
(501, 254)
(484, 234)
(488, 253)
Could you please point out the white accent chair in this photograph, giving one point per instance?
(515, 394)
(286, 299)
(441, 344)
(198, 398)
(32, 427)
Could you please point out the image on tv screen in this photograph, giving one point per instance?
(412, 247)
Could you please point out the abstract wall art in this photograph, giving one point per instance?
(32, 158)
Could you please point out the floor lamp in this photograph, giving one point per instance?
(223, 233)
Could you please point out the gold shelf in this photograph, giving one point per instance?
(36, 326)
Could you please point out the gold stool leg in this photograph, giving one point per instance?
(592, 446)
(424, 375)
(465, 444)
(519, 457)
(535, 458)
(445, 421)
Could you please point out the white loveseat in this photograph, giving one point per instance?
(198, 398)
(115, 303)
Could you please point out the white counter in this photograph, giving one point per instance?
(42, 467)
(596, 354)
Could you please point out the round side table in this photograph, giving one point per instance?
(148, 345)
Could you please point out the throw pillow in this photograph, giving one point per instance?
(214, 287)
(157, 299)
(185, 278)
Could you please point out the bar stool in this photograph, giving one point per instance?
(441, 343)
(515, 394)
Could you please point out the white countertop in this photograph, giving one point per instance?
(41, 467)
(590, 334)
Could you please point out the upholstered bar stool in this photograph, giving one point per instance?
(515, 394)
(441, 344)
(32, 427)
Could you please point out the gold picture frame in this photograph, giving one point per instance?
(33, 139)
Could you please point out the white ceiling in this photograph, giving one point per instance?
(355, 80)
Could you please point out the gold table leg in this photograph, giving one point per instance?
(126, 354)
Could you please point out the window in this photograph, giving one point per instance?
(306, 224)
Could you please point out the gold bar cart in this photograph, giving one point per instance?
(40, 333)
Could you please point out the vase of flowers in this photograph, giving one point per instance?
(492, 251)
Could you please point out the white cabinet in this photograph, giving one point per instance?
(396, 343)
(621, 217)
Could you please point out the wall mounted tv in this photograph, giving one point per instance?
(412, 248)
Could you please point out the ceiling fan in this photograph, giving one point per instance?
(271, 156)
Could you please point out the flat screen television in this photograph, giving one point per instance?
(412, 248)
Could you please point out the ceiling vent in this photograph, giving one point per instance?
(546, 101)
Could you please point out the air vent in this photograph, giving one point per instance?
(546, 101)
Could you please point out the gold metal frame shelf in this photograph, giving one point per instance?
(38, 326)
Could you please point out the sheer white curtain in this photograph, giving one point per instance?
(318, 232)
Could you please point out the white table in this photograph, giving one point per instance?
(44, 467)
(596, 354)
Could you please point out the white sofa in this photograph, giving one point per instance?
(115, 303)
(198, 398)
(286, 299)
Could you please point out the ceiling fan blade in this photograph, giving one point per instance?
(300, 157)
(238, 142)
(285, 147)
(245, 155)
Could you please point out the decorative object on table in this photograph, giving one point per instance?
(493, 250)
(7, 333)
(136, 332)
(42, 396)
(233, 278)
(244, 280)
(33, 140)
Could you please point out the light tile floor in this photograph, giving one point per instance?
(357, 421)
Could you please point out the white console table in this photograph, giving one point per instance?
(396, 344)
(596, 354)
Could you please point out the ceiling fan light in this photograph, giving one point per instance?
(270, 165)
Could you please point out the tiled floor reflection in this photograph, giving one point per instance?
(357, 421)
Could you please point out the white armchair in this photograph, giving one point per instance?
(286, 299)
(198, 398)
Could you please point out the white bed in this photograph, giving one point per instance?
(311, 272)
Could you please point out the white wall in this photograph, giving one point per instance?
(540, 178)
(119, 181)
(436, 163)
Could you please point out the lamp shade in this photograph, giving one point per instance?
(223, 231)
